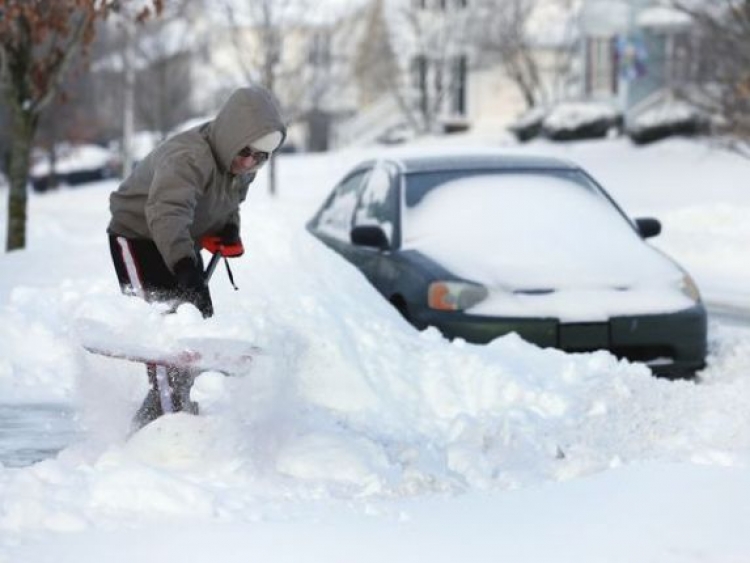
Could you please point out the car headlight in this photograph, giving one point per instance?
(454, 296)
(688, 287)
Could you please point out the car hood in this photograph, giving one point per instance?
(540, 272)
(576, 288)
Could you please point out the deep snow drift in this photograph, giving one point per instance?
(353, 436)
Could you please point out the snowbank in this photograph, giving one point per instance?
(351, 427)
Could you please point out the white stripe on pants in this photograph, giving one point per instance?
(131, 267)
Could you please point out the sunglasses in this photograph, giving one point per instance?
(258, 156)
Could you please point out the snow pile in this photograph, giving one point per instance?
(346, 400)
(333, 412)
(351, 419)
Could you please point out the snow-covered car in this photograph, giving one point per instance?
(74, 165)
(480, 246)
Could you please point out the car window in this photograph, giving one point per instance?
(335, 219)
(377, 205)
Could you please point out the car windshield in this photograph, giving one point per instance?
(535, 229)
(419, 184)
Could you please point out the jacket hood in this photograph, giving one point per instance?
(248, 114)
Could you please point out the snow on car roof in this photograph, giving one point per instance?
(432, 163)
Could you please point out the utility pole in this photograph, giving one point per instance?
(272, 52)
(128, 111)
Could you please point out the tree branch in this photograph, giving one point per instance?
(58, 69)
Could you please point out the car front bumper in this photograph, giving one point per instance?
(671, 344)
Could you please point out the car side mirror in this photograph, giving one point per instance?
(648, 227)
(369, 235)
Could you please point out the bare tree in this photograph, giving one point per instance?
(375, 66)
(144, 73)
(164, 49)
(68, 118)
(721, 65)
(258, 31)
(503, 32)
(38, 41)
(539, 65)
(294, 50)
(437, 37)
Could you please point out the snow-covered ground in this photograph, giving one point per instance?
(354, 438)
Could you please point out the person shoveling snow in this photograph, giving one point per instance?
(188, 190)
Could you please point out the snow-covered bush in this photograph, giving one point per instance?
(529, 125)
(666, 120)
(581, 120)
(396, 134)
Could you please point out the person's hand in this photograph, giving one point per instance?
(191, 285)
(226, 242)
(230, 234)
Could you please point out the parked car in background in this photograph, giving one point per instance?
(482, 246)
(73, 165)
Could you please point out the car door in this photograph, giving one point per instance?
(378, 205)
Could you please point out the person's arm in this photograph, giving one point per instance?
(170, 208)
(230, 232)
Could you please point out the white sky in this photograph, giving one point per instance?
(356, 438)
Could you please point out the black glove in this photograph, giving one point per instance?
(229, 234)
(191, 285)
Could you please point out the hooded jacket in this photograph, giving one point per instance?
(184, 189)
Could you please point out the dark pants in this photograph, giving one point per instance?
(142, 271)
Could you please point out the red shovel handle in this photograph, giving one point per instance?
(214, 245)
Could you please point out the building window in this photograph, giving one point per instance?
(320, 49)
(458, 84)
(419, 81)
